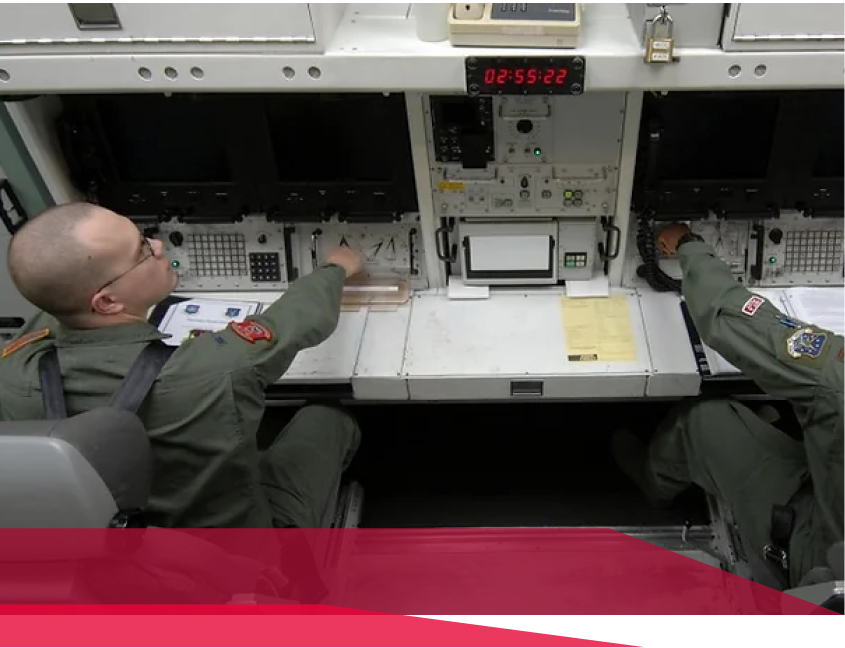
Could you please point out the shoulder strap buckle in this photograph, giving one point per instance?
(774, 554)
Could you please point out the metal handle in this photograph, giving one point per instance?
(527, 388)
(315, 235)
(442, 239)
(412, 234)
(758, 233)
(608, 228)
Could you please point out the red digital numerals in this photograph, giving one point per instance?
(525, 76)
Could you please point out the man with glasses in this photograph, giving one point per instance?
(95, 277)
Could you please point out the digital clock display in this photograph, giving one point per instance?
(524, 76)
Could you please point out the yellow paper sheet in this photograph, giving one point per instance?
(598, 329)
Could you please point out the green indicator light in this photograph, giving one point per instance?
(567, 194)
(773, 260)
(538, 152)
(175, 264)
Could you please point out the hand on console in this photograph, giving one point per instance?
(347, 259)
(670, 236)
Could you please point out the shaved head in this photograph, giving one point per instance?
(88, 266)
(52, 263)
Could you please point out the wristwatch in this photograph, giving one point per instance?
(686, 238)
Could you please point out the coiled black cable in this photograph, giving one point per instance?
(650, 269)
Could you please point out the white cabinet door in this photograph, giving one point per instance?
(793, 26)
(179, 23)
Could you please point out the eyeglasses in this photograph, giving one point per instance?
(146, 252)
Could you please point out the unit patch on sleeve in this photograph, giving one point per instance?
(251, 331)
(806, 343)
(753, 305)
(22, 341)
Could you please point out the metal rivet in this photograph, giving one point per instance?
(145, 73)
(315, 72)
(760, 71)
(197, 72)
(4, 76)
(288, 72)
(170, 73)
(734, 71)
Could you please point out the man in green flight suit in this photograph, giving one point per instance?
(731, 452)
(95, 277)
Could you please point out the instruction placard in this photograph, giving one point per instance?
(598, 329)
(188, 319)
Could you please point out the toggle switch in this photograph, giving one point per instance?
(465, 11)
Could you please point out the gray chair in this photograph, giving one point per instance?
(94, 471)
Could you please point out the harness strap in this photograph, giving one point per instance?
(52, 392)
(131, 392)
(138, 382)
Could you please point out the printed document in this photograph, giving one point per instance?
(195, 317)
(598, 329)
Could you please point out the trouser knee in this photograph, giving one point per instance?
(706, 422)
(339, 420)
(710, 409)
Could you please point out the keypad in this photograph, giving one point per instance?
(512, 7)
(575, 259)
(217, 255)
(813, 251)
(264, 266)
(573, 198)
(559, 11)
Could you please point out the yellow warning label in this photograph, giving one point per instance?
(446, 185)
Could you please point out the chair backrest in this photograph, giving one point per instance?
(78, 472)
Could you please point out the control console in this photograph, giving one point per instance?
(251, 255)
(525, 187)
(248, 191)
(757, 174)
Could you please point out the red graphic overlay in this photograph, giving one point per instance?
(273, 584)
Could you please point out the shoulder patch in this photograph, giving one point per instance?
(22, 341)
(753, 305)
(251, 331)
(806, 343)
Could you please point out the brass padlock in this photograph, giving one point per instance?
(660, 39)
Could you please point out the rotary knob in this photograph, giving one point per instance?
(525, 126)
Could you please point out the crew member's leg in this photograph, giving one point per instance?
(728, 451)
(301, 471)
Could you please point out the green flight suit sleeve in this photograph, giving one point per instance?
(757, 344)
(304, 317)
